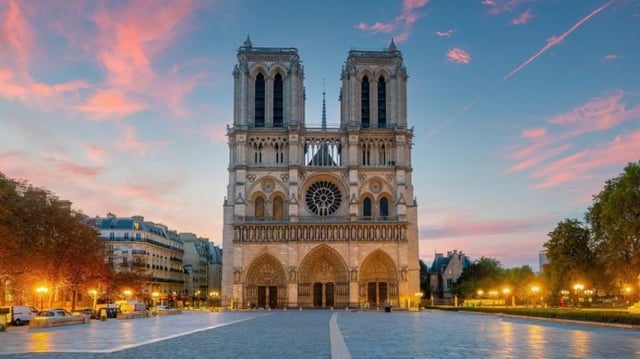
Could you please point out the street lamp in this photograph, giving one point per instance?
(127, 293)
(506, 292)
(41, 292)
(627, 292)
(214, 295)
(577, 288)
(155, 298)
(588, 293)
(534, 290)
(94, 294)
(418, 295)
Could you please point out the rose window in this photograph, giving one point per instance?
(323, 198)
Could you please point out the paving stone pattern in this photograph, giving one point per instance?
(307, 334)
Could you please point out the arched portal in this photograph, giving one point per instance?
(378, 279)
(323, 279)
(266, 284)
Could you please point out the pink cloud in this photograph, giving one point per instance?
(404, 21)
(458, 55)
(95, 154)
(110, 105)
(610, 57)
(16, 32)
(144, 193)
(501, 6)
(547, 156)
(130, 142)
(76, 170)
(523, 18)
(600, 113)
(375, 28)
(461, 227)
(555, 40)
(446, 33)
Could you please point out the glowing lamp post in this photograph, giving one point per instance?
(418, 296)
(41, 292)
(534, 292)
(627, 293)
(506, 292)
(155, 295)
(576, 289)
(94, 294)
(127, 294)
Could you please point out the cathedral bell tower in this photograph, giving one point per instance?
(319, 216)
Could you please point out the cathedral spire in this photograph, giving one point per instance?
(392, 46)
(247, 42)
(324, 109)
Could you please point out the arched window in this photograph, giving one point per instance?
(366, 207)
(278, 104)
(364, 102)
(278, 209)
(384, 208)
(259, 101)
(382, 103)
(259, 210)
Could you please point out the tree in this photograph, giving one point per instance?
(615, 223)
(570, 256)
(484, 273)
(44, 242)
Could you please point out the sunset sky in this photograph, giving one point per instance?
(522, 109)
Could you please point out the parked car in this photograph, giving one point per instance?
(18, 314)
(55, 317)
(88, 312)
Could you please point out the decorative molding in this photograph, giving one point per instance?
(321, 232)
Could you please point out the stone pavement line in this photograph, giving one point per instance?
(339, 349)
(155, 340)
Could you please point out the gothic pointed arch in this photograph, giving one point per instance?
(266, 282)
(323, 278)
(382, 102)
(384, 207)
(259, 100)
(378, 279)
(278, 101)
(259, 207)
(365, 92)
(367, 207)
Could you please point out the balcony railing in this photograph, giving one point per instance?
(336, 231)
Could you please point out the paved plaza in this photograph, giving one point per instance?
(321, 334)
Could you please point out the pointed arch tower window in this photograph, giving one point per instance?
(259, 101)
(259, 210)
(366, 207)
(278, 102)
(384, 208)
(278, 209)
(382, 103)
(364, 102)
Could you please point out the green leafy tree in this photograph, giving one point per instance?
(44, 243)
(570, 256)
(615, 223)
(484, 273)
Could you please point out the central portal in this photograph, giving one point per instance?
(267, 297)
(323, 295)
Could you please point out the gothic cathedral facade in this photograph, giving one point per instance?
(324, 216)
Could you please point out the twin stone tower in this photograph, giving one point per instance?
(323, 216)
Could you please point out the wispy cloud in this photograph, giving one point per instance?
(446, 33)
(610, 57)
(402, 23)
(546, 152)
(111, 105)
(375, 28)
(523, 18)
(131, 142)
(555, 40)
(458, 55)
(501, 6)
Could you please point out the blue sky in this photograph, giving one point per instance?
(522, 109)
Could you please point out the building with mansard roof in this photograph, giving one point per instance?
(320, 216)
